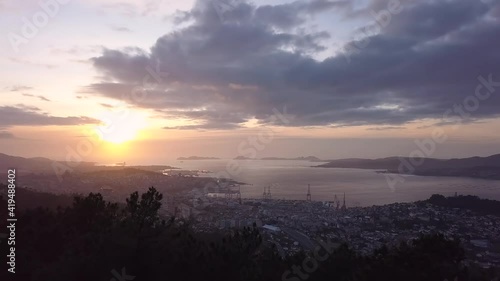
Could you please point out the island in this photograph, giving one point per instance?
(308, 158)
(197, 158)
(242, 158)
(302, 158)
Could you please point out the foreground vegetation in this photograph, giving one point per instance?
(94, 240)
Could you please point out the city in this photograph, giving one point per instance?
(291, 225)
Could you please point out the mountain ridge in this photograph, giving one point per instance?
(476, 166)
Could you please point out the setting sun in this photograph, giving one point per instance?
(118, 129)
(118, 135)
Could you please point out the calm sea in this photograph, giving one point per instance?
(289, 180)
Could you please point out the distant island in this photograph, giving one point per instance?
(473, 167)
(242, 158)
(197, 158)
(308, 158)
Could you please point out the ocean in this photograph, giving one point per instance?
(289, 179)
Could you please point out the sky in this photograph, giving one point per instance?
(146, 81)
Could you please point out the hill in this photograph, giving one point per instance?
(469, 202)
(475, 167)
(31, 165)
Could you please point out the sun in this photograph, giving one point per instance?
(118, 135)
(120, 130)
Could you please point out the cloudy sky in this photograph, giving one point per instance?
(145, 81)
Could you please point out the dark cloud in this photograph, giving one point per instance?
(289, 15)
(31, 116)
(215, 120)
(20, 88)
(179, 17)
(386, 128)
(35, 96)
(426, 60)
(454, 122)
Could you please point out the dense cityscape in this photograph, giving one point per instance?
(293, 226)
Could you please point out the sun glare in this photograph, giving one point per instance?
(120, 135)
(120, 132)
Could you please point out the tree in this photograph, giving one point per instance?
(144, 212)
